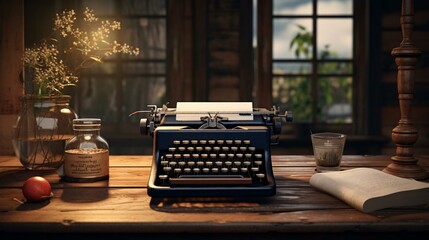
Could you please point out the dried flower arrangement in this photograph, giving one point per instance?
(53, 68)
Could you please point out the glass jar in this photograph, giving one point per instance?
(86, 156)
(41, 130)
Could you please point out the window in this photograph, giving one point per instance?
(124, 84)
(307, 61)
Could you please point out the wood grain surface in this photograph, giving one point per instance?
(121, 204)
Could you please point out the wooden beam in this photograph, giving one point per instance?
(11, 88)
(265, 32)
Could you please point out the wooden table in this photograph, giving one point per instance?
(120, 207)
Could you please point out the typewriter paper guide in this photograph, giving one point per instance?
(197, 110)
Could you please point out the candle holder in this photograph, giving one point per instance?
(328, 150)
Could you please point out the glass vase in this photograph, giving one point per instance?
(44, 125)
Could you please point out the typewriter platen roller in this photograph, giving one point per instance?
(212, 149)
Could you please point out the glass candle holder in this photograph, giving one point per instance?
(328, 150)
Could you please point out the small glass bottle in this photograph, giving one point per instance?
(87, 153)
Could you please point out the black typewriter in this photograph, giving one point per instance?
(200, 150)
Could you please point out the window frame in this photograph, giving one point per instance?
(359, 125)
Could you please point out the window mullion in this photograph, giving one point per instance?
(314, 75)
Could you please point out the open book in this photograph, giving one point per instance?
(368, 189)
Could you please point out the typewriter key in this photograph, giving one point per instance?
(172, 149)
(190, 149)
(182, 149)
(166, 169)
(164, 163)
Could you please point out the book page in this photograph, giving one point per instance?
(368, 189)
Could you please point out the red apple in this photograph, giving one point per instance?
(36, 189)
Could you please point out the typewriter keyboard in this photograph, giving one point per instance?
(206, 162)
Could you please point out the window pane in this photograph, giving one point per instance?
(292, 38)
(335, 68)
(292, 7)
(104, 67)
(101, 7)
(146, 34)
(292, 68)
(294, 94)
(335, 38)
(145, 68)
(338, 7)
(143, 7)
(97, 97)
(335, 100)
(139, 92)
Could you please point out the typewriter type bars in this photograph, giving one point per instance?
(206, 162)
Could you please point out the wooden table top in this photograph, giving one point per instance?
(121, 204)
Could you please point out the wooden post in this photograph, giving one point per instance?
(405, 134)
(11, 49)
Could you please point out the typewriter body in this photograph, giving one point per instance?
(212, 149)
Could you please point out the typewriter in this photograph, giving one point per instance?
(212, 149)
